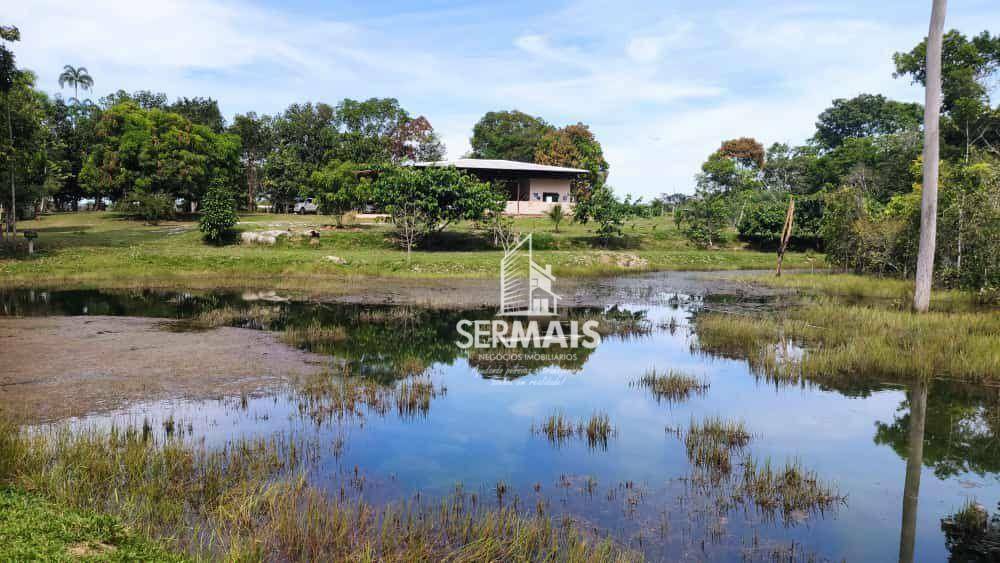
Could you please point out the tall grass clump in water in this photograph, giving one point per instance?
(711, 443)
(670, 386)
(327, 397)
(249, 501)
(558, 428)
(314, 337)
(255, 317)
(846, 340)
(788, 489)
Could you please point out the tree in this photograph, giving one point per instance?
(508, 135)
(8, 77)
(203, 111)
(256, 139)
(380, 131)
(218, 213)
(865, 115)
(574, 146)
(602, 207)
(337, 188)
(932, 140)
(556, 215)
(157, 151)
(425, 201)
(703, 219)
(77, 78)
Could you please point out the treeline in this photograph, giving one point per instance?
(143, 153)
(856, 182)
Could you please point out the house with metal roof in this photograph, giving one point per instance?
(532, 189)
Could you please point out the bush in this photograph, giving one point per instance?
(764, 220)
(140, 204)
(218, 214)
(703, 220)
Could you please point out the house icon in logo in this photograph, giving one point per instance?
(525, 286)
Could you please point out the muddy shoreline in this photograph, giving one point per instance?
(69, 366)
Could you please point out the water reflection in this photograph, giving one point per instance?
(440, 415)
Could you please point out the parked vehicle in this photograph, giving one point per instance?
(306, 206)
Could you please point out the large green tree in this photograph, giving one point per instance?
(865, 115)
(574, 146)
(159, 152)
(508, 135)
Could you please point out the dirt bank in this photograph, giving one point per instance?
(57, 367)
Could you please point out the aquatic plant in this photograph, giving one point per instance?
(254, 317)
(845, 340)
(671, 386)
(558, 428)
(788, 489)
(250, 500)
(314, 336)
(711, 443)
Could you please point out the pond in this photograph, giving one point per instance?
(479, 424)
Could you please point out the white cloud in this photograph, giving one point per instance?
(660, 83)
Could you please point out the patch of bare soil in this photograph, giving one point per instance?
(57, 367)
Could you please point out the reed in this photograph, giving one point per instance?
(314, 336)
(250, 501)
(257, 317)
(789, 488)
(711, 443)
(671, 386)
(846, 340)
(558, 428)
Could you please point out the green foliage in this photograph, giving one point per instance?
(424, 201)
(508, 135)
(143, 205)
(603, 208)
(338, 189)
(764, 220)
(703, 219)
(966, 65)
(159, 152)
(218, 213)
(574, 146)
(556, 215)
(34, 529)
(865, 115)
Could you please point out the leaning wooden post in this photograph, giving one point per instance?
(786, 234)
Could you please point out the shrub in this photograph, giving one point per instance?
(142, 205)
(218, 214)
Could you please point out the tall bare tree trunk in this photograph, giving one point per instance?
(786, 234)
(12, 216)
(932, 149)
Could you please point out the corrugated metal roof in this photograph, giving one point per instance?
(487, 164)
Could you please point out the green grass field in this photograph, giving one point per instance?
(34, 529)
(98, 249)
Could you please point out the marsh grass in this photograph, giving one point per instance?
(558, 428)
(710, 444)
(327, 397)
(887, 292)
(256, 317)
(316, 336)
(249, 501)
(850, 340)
(788, 489)
(671, 386)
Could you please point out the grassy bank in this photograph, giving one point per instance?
(848, 326)
(34, 529)
(97, 249)
(247, 501)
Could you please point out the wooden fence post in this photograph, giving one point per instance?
(786, 234)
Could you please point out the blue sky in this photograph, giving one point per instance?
(661, 83)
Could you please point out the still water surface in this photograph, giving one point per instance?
(477, 431)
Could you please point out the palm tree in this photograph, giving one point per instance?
(932, 149)
(77, 78)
